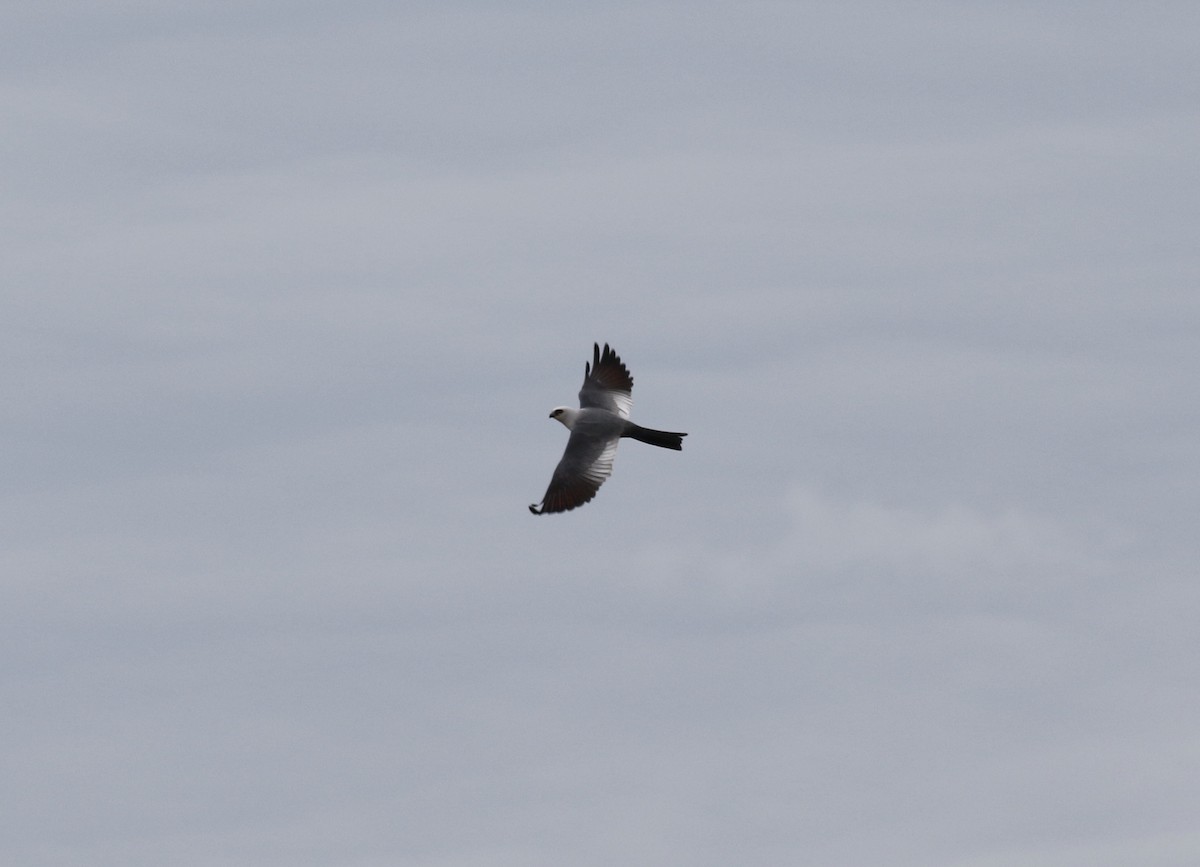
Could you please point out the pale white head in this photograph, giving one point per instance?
(566, 415)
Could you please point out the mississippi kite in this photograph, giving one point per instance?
(596, 427)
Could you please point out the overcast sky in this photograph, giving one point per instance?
(289, 289)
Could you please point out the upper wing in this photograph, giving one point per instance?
(607, 383)
(586, 463)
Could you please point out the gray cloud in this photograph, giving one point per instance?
(288, 295)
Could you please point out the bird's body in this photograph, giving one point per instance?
(596, 427)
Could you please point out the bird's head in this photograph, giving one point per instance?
(564, 414)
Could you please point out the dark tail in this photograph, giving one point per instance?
(661, 438)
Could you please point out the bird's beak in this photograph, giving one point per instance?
(550, 416)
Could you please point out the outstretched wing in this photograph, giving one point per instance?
(586, 463)
(607, 383)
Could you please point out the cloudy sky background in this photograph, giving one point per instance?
(289, 288)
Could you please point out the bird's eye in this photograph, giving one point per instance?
(557, 412)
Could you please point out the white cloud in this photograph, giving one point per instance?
(833, 552)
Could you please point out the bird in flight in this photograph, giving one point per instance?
(596, 427)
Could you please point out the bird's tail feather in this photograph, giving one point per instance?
(661, 438)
